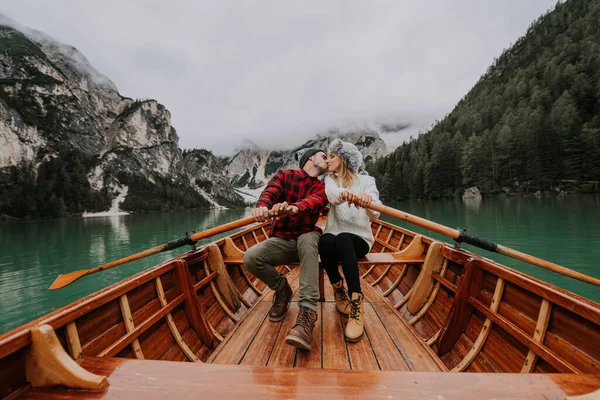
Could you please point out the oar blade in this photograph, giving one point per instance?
(66, 279)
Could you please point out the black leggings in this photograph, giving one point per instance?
(346, 248)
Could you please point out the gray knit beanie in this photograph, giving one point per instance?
(348, 153)
(303, 155)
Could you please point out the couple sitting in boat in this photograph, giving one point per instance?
(294, 200)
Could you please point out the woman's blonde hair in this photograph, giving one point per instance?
(345, 177)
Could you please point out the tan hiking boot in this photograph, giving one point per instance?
(356, 321)
(341, 297)
(282, 302)
(301, 333)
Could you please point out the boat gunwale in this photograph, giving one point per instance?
(19, 337)
(579, 307)
(70, 312)
(561, 297)
(555, 294)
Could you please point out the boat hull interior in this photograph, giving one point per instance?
(429, 307)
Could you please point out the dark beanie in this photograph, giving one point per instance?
(303, 155)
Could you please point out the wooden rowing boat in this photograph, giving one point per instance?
(197, 325)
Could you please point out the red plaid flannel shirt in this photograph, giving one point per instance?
(299, 189)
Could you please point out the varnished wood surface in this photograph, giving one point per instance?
(424, 284)
(19, 337)
(396, 339)
(137, 379)
(49, 365)
(368, 259)
(461, 311)
(389, 344)
(571, 301)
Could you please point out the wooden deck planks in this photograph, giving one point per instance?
(361, 353)
(371, 294)
(328, 289)
(234, 351)
(283, 355)
(260, 350)
(411, 349)
(388, 344)
(314, 357)
(388, 356)
(335, 355)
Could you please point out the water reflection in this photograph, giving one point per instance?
(97, 253)
(472, 204)
(119, 228)
(110, 232)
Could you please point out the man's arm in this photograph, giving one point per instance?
(272, 193)
(314, 201)
(268, 198)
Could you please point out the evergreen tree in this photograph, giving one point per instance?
(530, 122)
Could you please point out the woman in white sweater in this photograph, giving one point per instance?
(347, 236)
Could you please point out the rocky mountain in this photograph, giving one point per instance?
(250, 169)
(201, 166)
(70, 142)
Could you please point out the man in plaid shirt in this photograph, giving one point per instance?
(293, 199)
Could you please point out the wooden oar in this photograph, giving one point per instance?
(66, 279)
(461, 236)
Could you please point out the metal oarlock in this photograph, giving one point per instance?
(192, 243)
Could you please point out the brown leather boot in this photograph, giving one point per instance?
(301, 333)
(341, 297)
(356, 321)
(281, 303)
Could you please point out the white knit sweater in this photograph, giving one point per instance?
(348, 218)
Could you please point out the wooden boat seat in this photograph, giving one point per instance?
(410, 255)
(413, 254)
(151, 379)
(369, 259)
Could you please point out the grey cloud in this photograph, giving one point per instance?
(278, 72)
(160, 61)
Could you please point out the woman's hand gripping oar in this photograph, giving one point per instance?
(66, 279)
(461, 236)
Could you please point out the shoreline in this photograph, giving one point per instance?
(537, 194)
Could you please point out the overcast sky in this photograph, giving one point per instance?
(278, 72)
